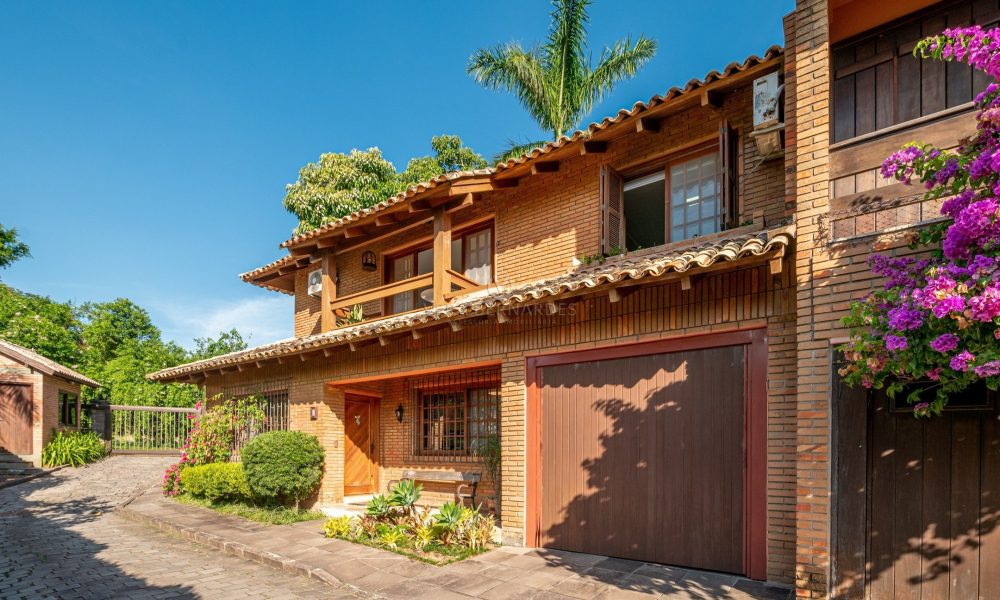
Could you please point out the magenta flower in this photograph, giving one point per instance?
(903, 318)
(895, 343)
(989, 369)
(946, 342)
(962, 361)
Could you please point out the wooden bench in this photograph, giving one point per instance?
(462, 480)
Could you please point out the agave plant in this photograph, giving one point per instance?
(379, 507)
(448, 519)
(405, 495)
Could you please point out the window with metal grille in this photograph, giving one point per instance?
(275, 395)
(455, 414)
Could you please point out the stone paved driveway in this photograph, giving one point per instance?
(60, 540)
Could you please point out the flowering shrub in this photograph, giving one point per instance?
(212, 437)
(172, 479)
(935, 321)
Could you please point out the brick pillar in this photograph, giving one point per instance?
(809, 101)
(328, 427)
(512, 440)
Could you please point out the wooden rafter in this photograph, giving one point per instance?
(647, 125)
(593, 147)
(711, 98)
(544, 166)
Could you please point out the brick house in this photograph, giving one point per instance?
(685, 381)
(37, 396)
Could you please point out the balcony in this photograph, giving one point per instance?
(452, 285)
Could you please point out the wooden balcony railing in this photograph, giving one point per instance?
(455, 283)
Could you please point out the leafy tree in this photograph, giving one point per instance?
(227, 342)
(339, 184)
(11, 249)
(449, 156)
(37, 322)
(111, 326)
(556, 81)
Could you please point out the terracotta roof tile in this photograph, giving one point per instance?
(43, 364)
(691, 257)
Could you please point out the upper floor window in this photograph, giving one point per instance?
(471, 255)
(677, 201)
(878, 83)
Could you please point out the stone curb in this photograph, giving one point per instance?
(19, 480)
(234, 548)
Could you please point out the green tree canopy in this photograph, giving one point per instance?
(115, 343)
(11, 249)
(112, 328)
(339, 184)
(227, 342)
(50, 328)
(556, 81)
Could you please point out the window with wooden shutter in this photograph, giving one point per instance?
(612, 212)
(729, 155)
(878, 83)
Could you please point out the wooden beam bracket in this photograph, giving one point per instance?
(544, 166)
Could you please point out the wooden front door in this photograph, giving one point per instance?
(16, 415)
(360, 432)
(643, 457)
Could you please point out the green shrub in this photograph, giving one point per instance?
(74, 448)
(283, 465)
(216, 481)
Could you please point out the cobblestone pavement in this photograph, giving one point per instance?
(61, 540)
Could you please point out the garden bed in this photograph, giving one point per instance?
(270, 515)
(396, 524)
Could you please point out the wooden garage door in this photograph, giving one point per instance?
(643, 457)
(16, 413)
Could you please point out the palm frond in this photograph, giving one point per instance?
(621, 61)
(565, 59)
(511, 68)
(516, 150)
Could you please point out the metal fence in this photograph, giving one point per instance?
(150, 429)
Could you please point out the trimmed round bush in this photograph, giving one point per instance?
(283, 465)
(216, 481)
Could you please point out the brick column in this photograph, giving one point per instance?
(809, 101)
(512, 440)
(328, 427)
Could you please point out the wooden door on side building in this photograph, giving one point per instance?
(16, 416)
(360, 434)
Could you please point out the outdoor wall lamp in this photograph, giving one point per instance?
(399, 413)
(313, 413)
(368, 261)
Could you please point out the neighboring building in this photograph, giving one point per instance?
(37, 396)
(674, 402)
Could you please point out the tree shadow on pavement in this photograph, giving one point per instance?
(45, 553)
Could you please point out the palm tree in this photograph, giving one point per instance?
(556, 81)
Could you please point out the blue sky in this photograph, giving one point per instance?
(144, 147)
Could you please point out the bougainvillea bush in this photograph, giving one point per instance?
(211, 439)
(932, 329)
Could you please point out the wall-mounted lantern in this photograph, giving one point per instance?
(368, 261)
(399, 413)
(313, 413)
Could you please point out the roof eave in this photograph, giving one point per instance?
(778, 240)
